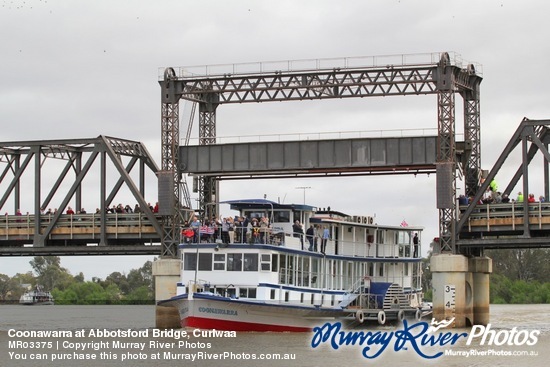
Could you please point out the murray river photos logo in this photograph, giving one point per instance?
(418, 337)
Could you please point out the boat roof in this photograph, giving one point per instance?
(374, 225)
(265, 204)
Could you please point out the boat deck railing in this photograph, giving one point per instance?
(300, 242)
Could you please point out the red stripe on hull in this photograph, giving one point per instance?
(204, 323)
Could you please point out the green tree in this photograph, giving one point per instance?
(141, 277)
(141, 295)
(522, 264)
(119, 280)
(87, 293)
(49, 272)
(79, 278)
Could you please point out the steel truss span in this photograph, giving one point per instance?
(77, 157)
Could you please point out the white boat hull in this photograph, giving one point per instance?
(220, 313)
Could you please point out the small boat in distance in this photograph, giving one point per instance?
(37, 296)
(276, 277)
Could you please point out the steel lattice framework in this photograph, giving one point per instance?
(440, 74)
(79, 155)
(533, 136)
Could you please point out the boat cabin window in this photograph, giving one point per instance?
(205, 261)
(247, 292)
(265, 261)
(234, 262)
(250, 262)
(281, 216)
(190, 261)
(219, 261)
(256, 214)
(274, 263)
(230, 292)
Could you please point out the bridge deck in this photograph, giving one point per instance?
(79, 234)
(502, 226)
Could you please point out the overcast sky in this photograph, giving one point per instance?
(79, 69)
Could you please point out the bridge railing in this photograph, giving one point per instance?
(23, 226)
(496, 216)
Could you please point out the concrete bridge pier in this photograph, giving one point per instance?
(461, 289)
(452, 289)
(481, 268)
(167, 275)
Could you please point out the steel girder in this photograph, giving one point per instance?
(170, 136)
(322, 84)
(472, 133)
(207, 132)
(170, 145)
(446, 156)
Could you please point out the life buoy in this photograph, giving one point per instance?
(400, 315)
(360, 316)
(418, 315)
(381, 317)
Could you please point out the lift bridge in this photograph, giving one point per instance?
(463, 229)
(460, 271)
(440, 74)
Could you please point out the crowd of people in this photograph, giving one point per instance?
(493, 196)
(238, 229)
(317, 237)
(119, 209)
(256, 230)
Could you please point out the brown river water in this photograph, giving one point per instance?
(521, 338)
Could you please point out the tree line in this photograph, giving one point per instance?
(136, 287)
(520, 276)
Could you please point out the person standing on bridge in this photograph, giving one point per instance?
(519, 199)
(493, 186)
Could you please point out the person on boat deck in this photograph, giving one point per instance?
(318, 234)
(264, 226)
(326, 236)
(310, 233)
(225, 231)
(244, 226)
(255, 231)
(195, 225)
(231, 229)
(415, 243)
(298, 232)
